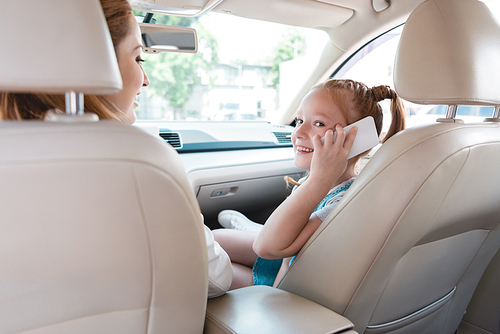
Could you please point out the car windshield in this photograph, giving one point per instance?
(244, 70)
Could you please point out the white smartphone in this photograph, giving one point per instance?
(366, 138)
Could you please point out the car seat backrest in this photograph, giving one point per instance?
(415, 230)
(101, 232)
(405, 248)
(482, 314)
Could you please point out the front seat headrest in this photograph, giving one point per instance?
(448, 54)
(69, 51)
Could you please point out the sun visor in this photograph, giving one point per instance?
(176, 7)
(302, 13)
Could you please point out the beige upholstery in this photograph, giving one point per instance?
(446, 53)
(405, 248)
(101, 232)
(46, 48)
(483, 312)
(264, 310)
(430, 243)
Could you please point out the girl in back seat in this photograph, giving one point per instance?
(262, 254)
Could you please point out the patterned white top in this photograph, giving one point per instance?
(331, 199)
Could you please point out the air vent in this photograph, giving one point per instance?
(173, 138)
(283, 137)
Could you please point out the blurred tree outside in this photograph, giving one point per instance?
(292, 46)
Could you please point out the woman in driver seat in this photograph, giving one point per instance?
(126, 37)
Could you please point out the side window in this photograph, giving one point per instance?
(439, 110)
(373, 65)
(467, 111)
(486, 111)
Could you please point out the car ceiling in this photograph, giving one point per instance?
(319, 14)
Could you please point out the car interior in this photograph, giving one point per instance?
(102, 221)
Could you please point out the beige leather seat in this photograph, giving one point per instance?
(406, 247)
(99, 229)
(483, 312)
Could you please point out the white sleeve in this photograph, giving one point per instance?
(220, 270)
(330, 205)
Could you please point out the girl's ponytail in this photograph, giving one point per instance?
(380, 93)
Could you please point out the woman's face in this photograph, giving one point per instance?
(128, 53)
(317, 113)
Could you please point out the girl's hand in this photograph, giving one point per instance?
(329, 160)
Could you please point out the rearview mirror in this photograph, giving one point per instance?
(162, 38)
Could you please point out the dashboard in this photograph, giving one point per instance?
(233, 165)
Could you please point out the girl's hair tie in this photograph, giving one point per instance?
(382, 92)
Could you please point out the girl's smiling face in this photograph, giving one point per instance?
(317, 113)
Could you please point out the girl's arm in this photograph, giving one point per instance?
(291, 225)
